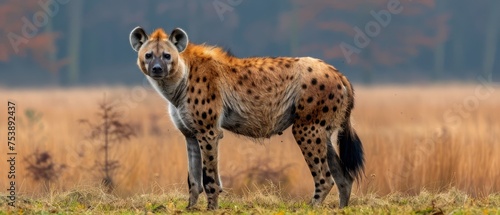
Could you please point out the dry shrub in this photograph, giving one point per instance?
(108, 131)
(42, 168)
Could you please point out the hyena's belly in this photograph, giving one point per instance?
(258, 124)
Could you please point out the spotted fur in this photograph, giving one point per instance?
(210, 90)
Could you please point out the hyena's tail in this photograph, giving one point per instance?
(350, 146)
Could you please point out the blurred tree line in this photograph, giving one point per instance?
(72, 42)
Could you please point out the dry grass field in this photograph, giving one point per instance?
(418, 140)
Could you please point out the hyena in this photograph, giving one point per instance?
(209, 90)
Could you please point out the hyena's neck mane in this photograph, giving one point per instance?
(196, 54)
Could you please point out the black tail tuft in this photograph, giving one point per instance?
(350, 151)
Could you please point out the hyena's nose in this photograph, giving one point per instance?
(157, 70)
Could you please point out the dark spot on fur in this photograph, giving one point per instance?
(316, 160)
(325, 109)
(318, 141)
(209, 147)
(304, 86)
(331, 96)
(309, 69)
(309, 100)
(322, 123)
(322, 87)
(314, 81)
(322, 181)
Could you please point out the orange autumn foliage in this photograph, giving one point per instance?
(38, 48)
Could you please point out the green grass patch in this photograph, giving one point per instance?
(94, 201)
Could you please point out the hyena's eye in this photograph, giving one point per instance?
(148, 56)
(166, 56)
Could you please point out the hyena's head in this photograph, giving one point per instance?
(158, 54)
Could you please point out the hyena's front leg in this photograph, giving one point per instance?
(194, 158)
(195, 171)
(209, 142)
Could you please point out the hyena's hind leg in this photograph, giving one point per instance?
(312, 139)
(349, 163)
(344, 181)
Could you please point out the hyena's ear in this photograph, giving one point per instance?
(138, 37)
(179, 38)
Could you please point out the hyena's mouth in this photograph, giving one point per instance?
(157, 76)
